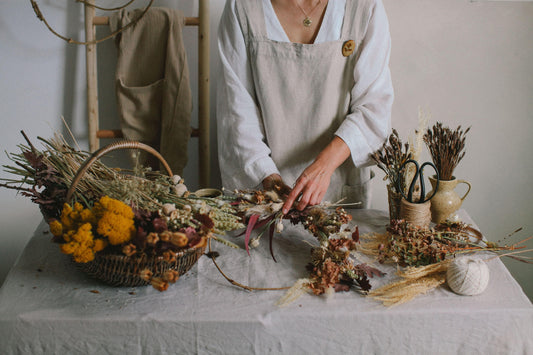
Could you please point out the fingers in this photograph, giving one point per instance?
(310, 190)
(293, 195)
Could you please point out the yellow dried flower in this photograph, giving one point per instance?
(99, 245)
(115, 220)
(78, 207)
(56, 228)
(83, 255)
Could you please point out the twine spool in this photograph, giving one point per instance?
(468, 276)
(418, 214)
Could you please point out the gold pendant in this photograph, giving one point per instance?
(307, 22)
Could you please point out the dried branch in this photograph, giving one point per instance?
(41, 17)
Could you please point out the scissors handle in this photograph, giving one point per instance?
(422, 184)
(419, 175)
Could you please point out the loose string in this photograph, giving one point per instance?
(41, 17)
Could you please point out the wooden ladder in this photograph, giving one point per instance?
(202, 132)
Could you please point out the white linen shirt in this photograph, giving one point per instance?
(241, 140)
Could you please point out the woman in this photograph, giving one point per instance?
(304, 96)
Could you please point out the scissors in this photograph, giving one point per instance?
(419, 175)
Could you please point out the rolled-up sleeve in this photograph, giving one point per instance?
(244, 156)
(368, 123)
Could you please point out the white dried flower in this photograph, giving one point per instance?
(181, 189)
(176, 179)
(254, 242)
(279, 226)
(168, 208)
(272, 195)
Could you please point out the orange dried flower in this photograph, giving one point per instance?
(152, 238)
(179, 239)
(165, 236)
(169, 256)
(146, 274)
(171, 276)
(129, 249)
(159, 284)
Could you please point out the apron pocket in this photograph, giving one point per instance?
(140, 111)
(140, 118)
(359, 192)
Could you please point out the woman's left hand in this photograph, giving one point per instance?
(313, 183)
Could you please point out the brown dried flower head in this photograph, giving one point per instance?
(171, 276)
(152, 239)
(165, 236)
(159, 284)
(146, 274)
(129, 249)
(179, 239)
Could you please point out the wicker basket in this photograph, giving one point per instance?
(122, 270)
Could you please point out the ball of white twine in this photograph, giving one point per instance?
(468, 276)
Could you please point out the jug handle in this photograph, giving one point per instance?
(467, 191)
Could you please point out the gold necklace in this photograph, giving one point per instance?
(307, 20)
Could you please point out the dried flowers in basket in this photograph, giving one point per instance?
(138, 229)
(121, 228)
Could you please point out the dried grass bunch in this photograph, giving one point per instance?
(424, 254)
(390, 158)
(446, 147)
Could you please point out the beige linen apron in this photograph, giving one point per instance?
(303, 91)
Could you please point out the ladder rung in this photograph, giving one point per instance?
(117, 133)
(104, 21)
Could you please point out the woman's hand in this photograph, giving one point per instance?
(275, 183)
(313, 183)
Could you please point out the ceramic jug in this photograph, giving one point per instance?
(446, 201)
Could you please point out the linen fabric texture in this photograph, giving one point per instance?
(280, 103)
(152, 83)
(49, 307)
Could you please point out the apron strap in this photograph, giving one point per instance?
(252, 18)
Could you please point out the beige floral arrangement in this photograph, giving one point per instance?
(151, 216)
(140, 215)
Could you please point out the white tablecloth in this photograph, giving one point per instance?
(47, 306)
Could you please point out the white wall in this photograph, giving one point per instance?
(467, 63)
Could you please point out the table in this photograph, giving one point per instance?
(47, 306)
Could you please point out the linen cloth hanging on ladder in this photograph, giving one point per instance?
(152, 83)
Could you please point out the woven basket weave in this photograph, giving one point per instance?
(122, 270)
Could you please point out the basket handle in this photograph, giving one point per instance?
(125, 144)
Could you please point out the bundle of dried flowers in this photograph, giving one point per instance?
(390, 158)
(446, 148)
(137, 216)
(426, 253)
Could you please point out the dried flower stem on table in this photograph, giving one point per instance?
(446, 148)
